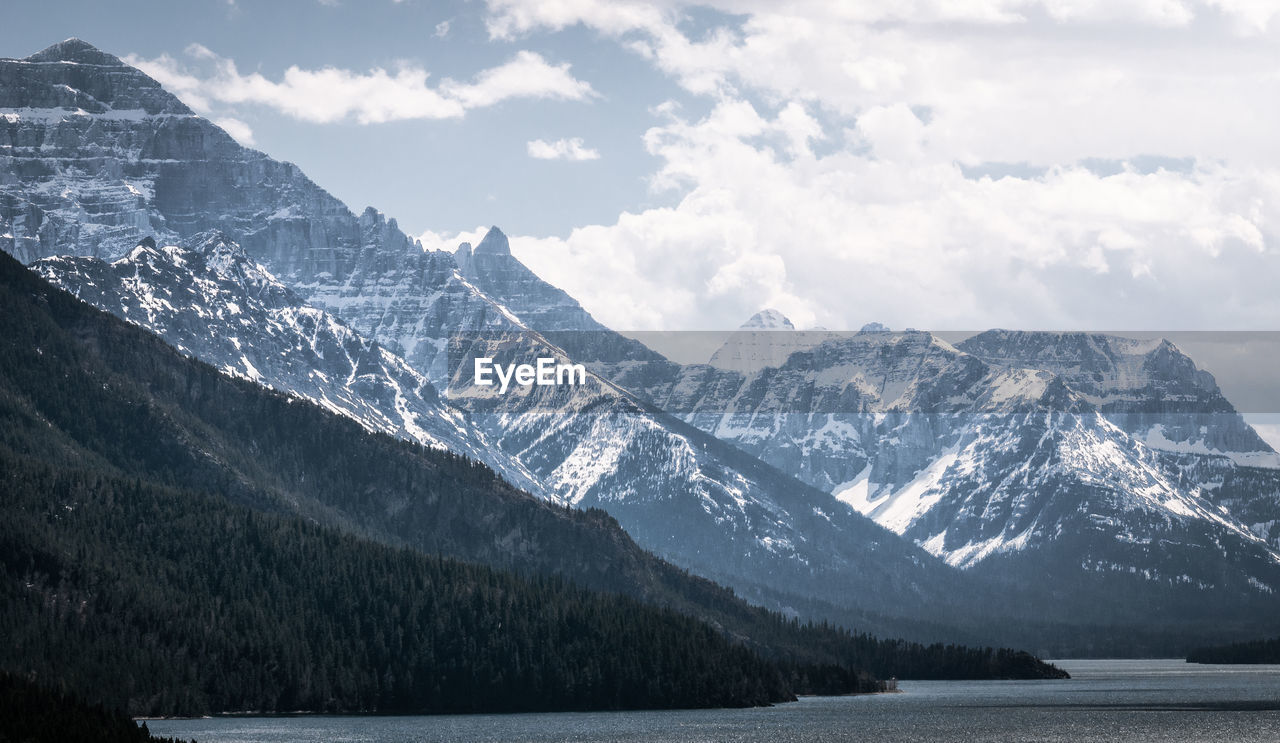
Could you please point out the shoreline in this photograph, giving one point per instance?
(313, 713)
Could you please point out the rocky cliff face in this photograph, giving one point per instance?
(492, 268)
(1157, 395)
(72, 109)
(96, 155)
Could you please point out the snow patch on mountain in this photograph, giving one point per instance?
(768, 319)
(1156, 439)
(897, 510)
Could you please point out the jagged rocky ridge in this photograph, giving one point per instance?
(212, 302)
(1157, 394)
(974, 458)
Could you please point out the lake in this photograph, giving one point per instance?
(1105, 700)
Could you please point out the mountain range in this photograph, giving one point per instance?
(1000, 445)
(876, 476)
(740, 521)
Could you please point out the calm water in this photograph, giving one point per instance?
(1107, 700)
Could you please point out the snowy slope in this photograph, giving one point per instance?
(974, 460)
(212, 302)
(1157, 394)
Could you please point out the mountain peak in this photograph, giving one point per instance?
(462, 257)
(77, 51)
(768, 319)
(76, 75)
(874, 327)
(146, 246)
(212, 242)
(225, 257)
(494, 243)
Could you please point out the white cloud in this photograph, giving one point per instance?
(1042, 81)
(561, 149)
(827, 181)
(238, 130)
(528, 75)
(449, 241)
(1270, 432)
(854, 235)
(169, 73)
(442, 28)
(893, 132)
(829, 177)
(510, 18)
(330, 94)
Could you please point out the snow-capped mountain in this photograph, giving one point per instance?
(98, 155)
(754, 347)
(682, 493)
(976, 458)
(212, 302)
(977, 461)
(390, 320)
(97, 106)
(1158, 395)
(1147, 386)
(1005, 465)
(768, 319)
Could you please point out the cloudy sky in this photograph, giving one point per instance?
(1104, 164)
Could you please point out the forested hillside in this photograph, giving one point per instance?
(30, 713)
(161, 601)
(1257, 651)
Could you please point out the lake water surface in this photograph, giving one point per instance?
(1105, 700)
